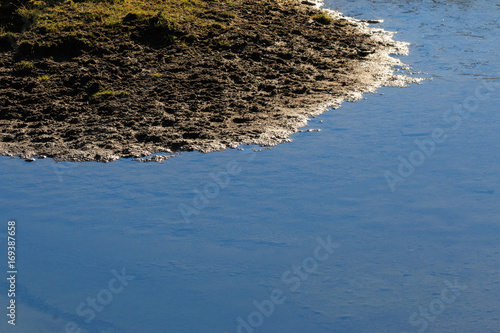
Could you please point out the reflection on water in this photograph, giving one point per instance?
(421, 258)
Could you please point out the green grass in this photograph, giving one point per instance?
(323, 18)
(83, 24)
(44, 78)
(23, 67)
(216, 25)
(69, 15)
(109, 93)
(228, 15)
(223, 42)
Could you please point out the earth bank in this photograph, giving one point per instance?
(228, 73)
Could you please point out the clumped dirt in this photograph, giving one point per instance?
(255, 80)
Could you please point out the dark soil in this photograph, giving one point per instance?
(254, 80)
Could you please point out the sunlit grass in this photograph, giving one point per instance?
(323, 18)
(43, 78)
(23, 67)
(109, 93)
(70, 15)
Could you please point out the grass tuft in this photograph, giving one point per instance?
(217, 25)
(109, 93)
(323, 18)
(228, 15)
(44, 78)
(24, 67)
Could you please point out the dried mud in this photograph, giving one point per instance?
(255, 82)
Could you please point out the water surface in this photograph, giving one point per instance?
(399, 250)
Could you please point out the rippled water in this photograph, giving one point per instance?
(417, 253)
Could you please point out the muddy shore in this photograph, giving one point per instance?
(255, 77)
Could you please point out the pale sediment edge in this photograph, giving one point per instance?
(380, 65)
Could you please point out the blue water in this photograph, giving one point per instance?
(417, 253)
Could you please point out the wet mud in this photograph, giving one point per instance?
(256, 79)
